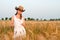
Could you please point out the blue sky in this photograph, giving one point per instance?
(44, 9)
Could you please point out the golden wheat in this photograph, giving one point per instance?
(36, 30)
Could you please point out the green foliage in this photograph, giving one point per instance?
(10, 18)
(37, 19)
(45, 19)
(2, 18)
(28, 18)
(6, 18)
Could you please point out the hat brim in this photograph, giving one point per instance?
(16, 8)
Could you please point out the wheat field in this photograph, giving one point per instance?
(36, 30)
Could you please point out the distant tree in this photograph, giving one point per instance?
(25, 19)
(10, 18)
(45, 19)
(28, 18)
(51, 19)
(2, 18)
(32, 19)
(37, 19)
(59, 19)
(6, 18)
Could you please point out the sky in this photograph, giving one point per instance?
(44, 9)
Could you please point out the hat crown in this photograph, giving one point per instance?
(21, 7)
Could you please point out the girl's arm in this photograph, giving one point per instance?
(24, 24)
(12, 22)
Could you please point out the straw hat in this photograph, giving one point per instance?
(20, 8)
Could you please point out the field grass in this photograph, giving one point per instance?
(36, 30)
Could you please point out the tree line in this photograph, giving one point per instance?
(30, 19)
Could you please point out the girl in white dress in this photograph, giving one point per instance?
(18, 22)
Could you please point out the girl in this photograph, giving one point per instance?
(19, 24)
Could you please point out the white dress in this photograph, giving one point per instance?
(19, 29)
